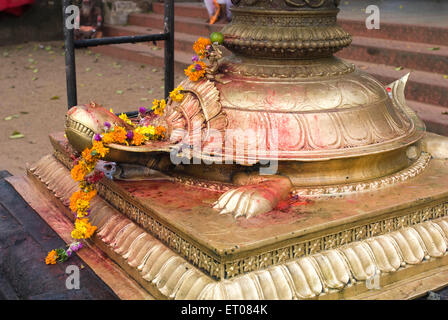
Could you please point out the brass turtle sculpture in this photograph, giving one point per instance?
(279, 116)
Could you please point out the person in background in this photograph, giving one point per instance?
(90, 20)
(217, 9)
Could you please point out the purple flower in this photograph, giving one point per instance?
(195, 58)
(69, 252)
(107, 125)
(75, 246)
(142, 110)
(130, 135)
(98, 137)
(198, 67)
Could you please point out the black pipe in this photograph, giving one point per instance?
(116, 40)
(169, 46)
(70, 69)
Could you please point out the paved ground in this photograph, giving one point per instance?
(33, 94)
(25, 240)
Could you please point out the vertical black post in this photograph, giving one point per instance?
(70, 69)
(169, 46)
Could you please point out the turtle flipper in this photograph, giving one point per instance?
(258, 195)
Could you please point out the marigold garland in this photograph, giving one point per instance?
(196, 70)
(84, 172)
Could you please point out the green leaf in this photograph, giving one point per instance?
(34, 78)
(88, 69)
(47, 48)
(30, 60)
(5, 53)
(154, 70)
(143, 99)
(399, 68)
(16, 135)
(54, 98)
(24, 112)
(119, 91)
(62, 255)
(150, 91)
(434, 48)
(36, 70)
(99, 74)
(11, 117)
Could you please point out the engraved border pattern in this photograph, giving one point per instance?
(260, 261)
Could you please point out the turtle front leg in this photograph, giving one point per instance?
(257, 195)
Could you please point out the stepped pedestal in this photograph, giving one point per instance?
(385, 244)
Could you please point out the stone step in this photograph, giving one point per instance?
(435, 117)
(417, 56)
(186, 9)
(182, 41)
(397, 31)
(424, 87)
(388, 29)
(188, 25)
(143, 53)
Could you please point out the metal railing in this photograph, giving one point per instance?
(71, 44)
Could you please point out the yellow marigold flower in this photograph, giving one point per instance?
(175, 95)
(82, 205)
(146, 131)
(200, 45)
(159, 106)
(125, 118)
(83, 229)
(51, 257)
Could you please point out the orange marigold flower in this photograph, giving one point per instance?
(79, 171)
(87, 155)
(200, 45)
(137, 139)
(73, 199)
(100, 149)
(51, 257)
(195, 71)
(160, 132)
(108, 138)
(117, 135)
(79, 201)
